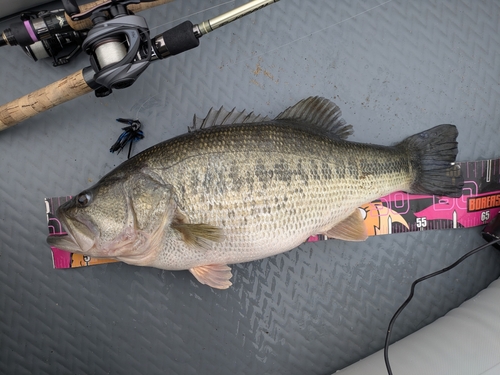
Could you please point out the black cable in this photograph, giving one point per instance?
(405, 303)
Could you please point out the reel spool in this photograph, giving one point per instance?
(120, 48)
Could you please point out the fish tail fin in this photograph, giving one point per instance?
(432, 156)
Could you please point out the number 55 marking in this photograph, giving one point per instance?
(421, 222)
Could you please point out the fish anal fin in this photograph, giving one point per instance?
(214, 275)
(350, 229)
(197, 234)
(320, 113)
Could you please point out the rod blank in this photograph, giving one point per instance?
(216, 22)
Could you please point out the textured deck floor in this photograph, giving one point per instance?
(394, 67)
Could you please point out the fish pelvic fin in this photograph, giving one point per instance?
(432, 156)
(214, 275)
(320, 113)
(350, 229)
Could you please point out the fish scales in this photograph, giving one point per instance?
(272, 186)
(241, 192)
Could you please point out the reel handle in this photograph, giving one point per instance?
(27, 106)
(86, 23)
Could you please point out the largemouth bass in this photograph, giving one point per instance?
(240, 187)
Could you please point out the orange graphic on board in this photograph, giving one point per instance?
(379, 219)
(80, 260)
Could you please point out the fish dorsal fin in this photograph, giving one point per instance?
(320, 113)
(350, 229)
(223, 117)
(214, 275)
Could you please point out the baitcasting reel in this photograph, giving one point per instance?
(118, 44)
(121, 48)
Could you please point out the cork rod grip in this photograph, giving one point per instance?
(43, 99)
(134, 8)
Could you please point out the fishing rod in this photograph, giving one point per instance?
(43, 34)
(120, 50)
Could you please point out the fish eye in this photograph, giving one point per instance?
(83, 199)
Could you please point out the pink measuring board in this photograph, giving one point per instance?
(395, 213)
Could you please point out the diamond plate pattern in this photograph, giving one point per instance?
(394, 67)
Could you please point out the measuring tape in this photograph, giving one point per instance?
(395, 213)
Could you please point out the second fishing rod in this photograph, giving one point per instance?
(120, 50)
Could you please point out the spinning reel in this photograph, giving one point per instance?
(45, 34)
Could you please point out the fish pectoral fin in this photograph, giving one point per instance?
(214, 275)
(199, 235)
(351, 229)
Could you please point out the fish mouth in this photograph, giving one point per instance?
(64, 242)
(79, 237)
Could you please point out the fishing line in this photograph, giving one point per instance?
(142, 105)
(283, 45)
(314, 32)
(193, 14)
(412, 291)
(189, 15)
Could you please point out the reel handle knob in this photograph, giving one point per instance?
(71, 7)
